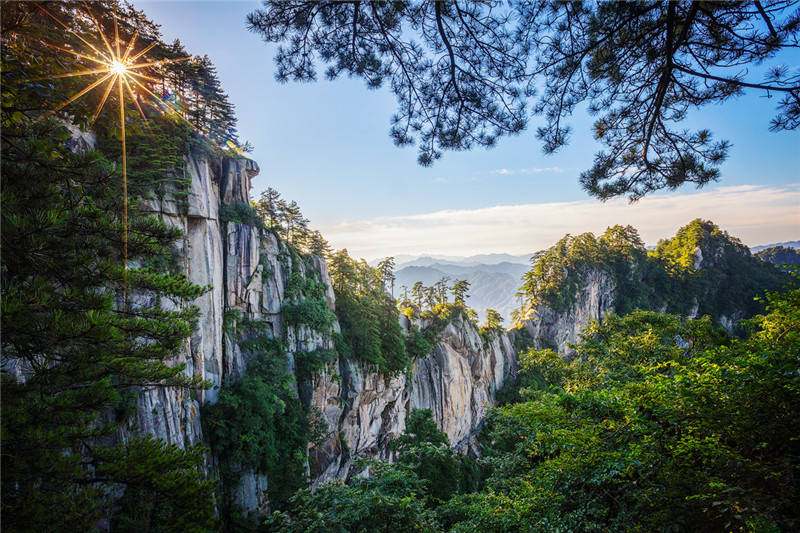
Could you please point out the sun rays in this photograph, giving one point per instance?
(117, 66)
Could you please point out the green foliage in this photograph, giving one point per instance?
(520, 338)
(307, 364)
(426, 450)
(155, 158)
(300, 285)
(367, 315)
(71, 355)
(417, 344)
(493, 325)
(312, 313)
(77, 348)
(559, 273)
(390, 500)
(308, 305)
(701, 266)
(259, 424)
(420, 428)
(241, 212)
(539, 370)
(165, 488)
(287, 222)
(436, 320)
(780, 255)
(704, 264)
(659, 424)
(392, 497)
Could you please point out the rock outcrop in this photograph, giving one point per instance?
(364, 410)
(557, 330)
(701, 271)
(248, 271)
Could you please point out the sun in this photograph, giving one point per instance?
(115, 66)
(118, 67)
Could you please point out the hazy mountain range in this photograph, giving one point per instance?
(492, 286)
(789, 244)
(405, 260)
(494, 278)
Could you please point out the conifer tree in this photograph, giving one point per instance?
(386, 268)
(460, 289)
(81, 334)
(466, 74)
(75, 352)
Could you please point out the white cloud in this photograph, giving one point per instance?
(507, 172)
(754, 213)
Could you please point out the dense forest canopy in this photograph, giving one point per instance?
(466, 74)
(780, 255)
(660, 424)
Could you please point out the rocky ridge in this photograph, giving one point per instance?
(701, 271)
(248, 270)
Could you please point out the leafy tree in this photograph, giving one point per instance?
(367, 315)
(659, 424)
(430, 297)
(420, 427)
(702, 267)
(257, 424)
(296, 225)
(780, 255)
(441, 289)
(426, 450)
(390, 500)
(467, 73)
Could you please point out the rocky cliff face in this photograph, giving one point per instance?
(365, 411)
(701, 271)
(248, 271)
(557, 330)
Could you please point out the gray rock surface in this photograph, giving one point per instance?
(551, 329)
(247, 270)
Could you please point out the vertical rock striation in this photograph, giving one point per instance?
(248, 271)
(557, 330)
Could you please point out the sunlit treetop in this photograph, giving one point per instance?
(85, 61)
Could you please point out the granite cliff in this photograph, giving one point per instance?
(702, 270)
(249, 271)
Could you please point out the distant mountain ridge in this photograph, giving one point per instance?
(492, 286)
(404, 260)
(494, 278)
(789, 244)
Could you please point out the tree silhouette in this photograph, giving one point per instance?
(467, 73)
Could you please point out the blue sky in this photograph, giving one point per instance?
(326, 145)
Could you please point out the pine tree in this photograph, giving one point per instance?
(460, 289)
(74, 351)
(386, 268)
(77, 346)
(466, 74)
